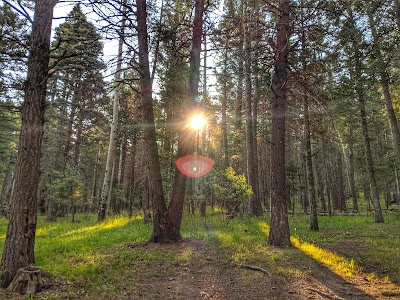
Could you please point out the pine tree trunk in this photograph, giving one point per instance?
(255, 205)
(384, 81)
(310, 173)
(20, 240)
(71, 118)
(370, 166)
(186, 136)
(149, 132)
(130, 193)
(77, 148)
(341, 186)
(357, 77)
(351, 167)
(223, 110)
(279, 234)
(237, 139)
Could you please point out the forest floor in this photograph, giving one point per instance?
(205, 272)
(198, 269)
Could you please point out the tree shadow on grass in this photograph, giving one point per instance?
(327, 284)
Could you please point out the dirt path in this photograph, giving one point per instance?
(214, 276)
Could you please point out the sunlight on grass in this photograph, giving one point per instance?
(186, 254)
(338, 264)
(224, 238)
(107, 224)
(264, 227)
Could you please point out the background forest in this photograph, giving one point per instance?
(300, 98)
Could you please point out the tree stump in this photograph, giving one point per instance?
(28, 280)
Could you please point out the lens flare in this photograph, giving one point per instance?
(194, 165)
(197, 121)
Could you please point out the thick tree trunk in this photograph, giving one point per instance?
(185, 143)
(149, 132)
(20, 240)
(279, 234)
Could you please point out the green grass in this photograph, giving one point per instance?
(97, 255)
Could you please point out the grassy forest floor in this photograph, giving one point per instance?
(351, 257)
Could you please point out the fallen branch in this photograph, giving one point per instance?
(254, 268)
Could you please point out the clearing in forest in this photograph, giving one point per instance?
(350, 258)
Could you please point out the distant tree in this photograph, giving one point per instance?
(13, 52)
(107, 182)
(77, 93)
(356, 72)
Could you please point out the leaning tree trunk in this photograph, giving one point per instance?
(384, 81)
(149, 131)
(359, 89)
(105, 197)
(370, 166)
(20, 240)
(175, 209)
(279, 234)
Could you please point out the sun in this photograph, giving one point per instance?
(197, 121)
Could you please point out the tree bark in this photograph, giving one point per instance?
(20, 240)
(186, 136)
(279, 234)
(149, 132)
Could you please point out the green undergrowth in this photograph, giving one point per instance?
(96, 256)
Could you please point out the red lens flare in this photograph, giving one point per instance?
(194, 165)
